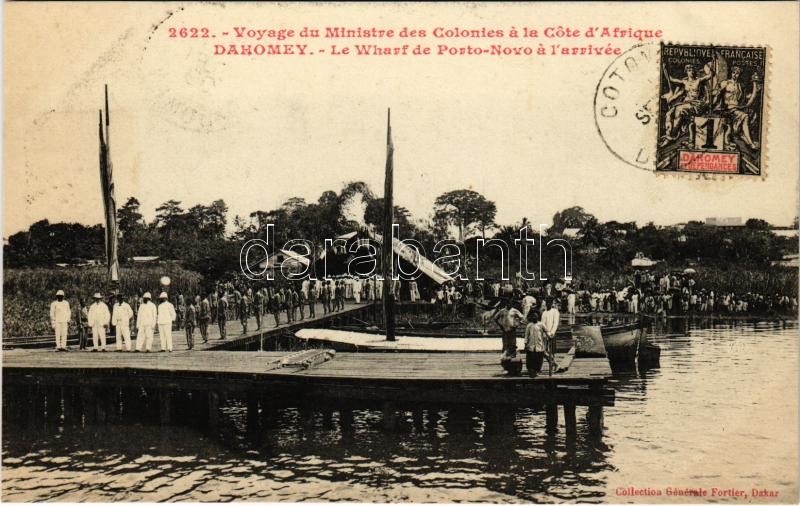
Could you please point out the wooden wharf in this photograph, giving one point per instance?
(391, 381)
(93, 385)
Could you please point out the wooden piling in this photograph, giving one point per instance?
(213, 409)
(390, 419)
(551, 413)
(164, 406)
(569, 419)
(595, 420)
(253, 418)
(346, 420)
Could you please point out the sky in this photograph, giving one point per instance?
(256, 130)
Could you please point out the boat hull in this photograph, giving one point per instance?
(622, 345)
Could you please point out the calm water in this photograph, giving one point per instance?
(720, 412)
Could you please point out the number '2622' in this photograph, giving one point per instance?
(189, 33)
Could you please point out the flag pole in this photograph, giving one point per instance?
(388, 219)
(109, 202)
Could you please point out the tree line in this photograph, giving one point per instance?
(197, 237)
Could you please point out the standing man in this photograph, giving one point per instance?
(60, 316)
(166, 315)
(312, 299)
(550, 319)
(204, 316)
(290, 298)
(258, 306)
(413, 290)
(121, 319)
(222, 308)
(212, 301)
(181, 302)
(190, 319)
(534, 344)
(357, 290)
(244, 311)
(528, 302)
(301, 303)
(275, 306)
(571, 302)
(99, 318)
(508, 319)
(83, 324)
(325, 295)
(146, 323)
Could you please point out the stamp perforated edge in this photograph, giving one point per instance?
(765, 119)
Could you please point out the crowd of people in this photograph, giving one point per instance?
(665, 293)
(285, 303)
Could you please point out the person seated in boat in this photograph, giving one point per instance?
(535, 344)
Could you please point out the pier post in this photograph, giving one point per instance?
(327, 417)
(595, 420)
(70, 415)
(213, 409)
(389, 416)
(419, 420)
(569, 419)
(346, 420)
(88, 405)
(164, 406)
(268, 410)
(114, 411)
(551, 411)
(253, 422)
(101, 405)
(53, 399)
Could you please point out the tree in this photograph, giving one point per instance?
(166, 212)
(464, 209)
(572, 217)
(128, 216)
(373, 215)
(757, 224)
(594, 233)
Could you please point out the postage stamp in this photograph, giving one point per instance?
(711, 109)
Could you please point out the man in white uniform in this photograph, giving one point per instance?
(99, 318)
(60, 315)
(166, 315)
(121, 319)
(146, 323)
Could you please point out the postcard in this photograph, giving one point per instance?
(400, 252)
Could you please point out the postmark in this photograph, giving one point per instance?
(626, 106)
(711, 109)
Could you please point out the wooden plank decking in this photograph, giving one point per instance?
(453, 377)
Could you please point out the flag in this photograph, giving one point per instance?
(109, 202)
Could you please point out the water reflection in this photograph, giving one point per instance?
(676, 425)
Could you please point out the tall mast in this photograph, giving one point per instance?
(109, 202)
(388, 219)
